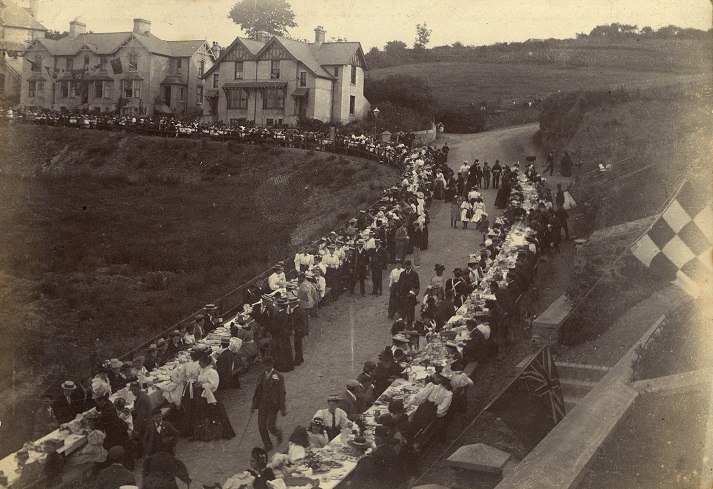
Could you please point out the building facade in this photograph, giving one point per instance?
(18, 27)
(274, 81)
(134, 73)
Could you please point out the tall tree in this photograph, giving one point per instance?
(273, 16)
(423, 36)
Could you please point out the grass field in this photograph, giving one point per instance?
(108, 239)
(516, 72)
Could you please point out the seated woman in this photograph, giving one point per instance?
(433, 403)
(259, 469)
(296, 451)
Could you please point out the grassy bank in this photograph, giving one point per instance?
(110, 238)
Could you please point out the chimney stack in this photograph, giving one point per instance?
(262, 36)
(142, 27)
(76, 28)
(215, 49)
(319, 34)
(34, 8)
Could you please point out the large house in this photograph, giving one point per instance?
(274, 81)
(133, 72)
(18, 27)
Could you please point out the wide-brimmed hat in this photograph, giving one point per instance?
(152, 347)
(318, 421)
(334, 398)
(68, 385)
(115, 363)
(359, 443)
(400, 337)
(439, 267)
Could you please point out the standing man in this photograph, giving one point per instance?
(394, 293)
(408, 286)
(361, 264)
(559, 196)
(379, 260)
(269, 398)
(486, 175)
(497, 170)
(550, 163)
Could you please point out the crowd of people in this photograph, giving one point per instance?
(276, 315)
(392, 152)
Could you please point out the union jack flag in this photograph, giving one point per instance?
(543, 381)
(532, 404)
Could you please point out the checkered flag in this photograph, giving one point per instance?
(679, 245)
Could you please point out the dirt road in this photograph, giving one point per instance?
(353, 329)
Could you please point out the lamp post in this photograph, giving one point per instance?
(376, 114)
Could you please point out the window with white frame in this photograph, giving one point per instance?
(131, 88)
(238, 70)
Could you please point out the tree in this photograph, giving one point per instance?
(273, 16)
(423, 36)
(402, 91)
(56, 35)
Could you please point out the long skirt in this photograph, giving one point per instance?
(425, 413)
(501, 199)
(188, 408)
(214, 412)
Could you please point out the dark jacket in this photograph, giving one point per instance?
(407, 281)
(115, 476)
(270, 392)
(155, 442)
(142, 412)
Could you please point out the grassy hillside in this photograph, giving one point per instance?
(109, 238)
(508, 76)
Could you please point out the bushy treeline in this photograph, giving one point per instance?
(396, 53)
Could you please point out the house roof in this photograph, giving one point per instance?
(103, 43)
(15, 16)
(185, 49)
(312, 56)
(335, 53)
(302, 52)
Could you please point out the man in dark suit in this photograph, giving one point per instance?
(361, 264)
(142, 409)
(269, 398)
(160, 435)
(116, 475)
(408, 281)
(350, 402)
(66, 406)
(379, 260)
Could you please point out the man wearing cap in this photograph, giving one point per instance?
(379, 260)
(277, 279)
(161, 352)
(116, 475)
(351, 230)
(142, 409)
(281, 345)
(150, 359)
(335, 418)
(175, 344)
(66, 406)
(269, 398)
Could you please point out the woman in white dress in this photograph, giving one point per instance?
(208, 407)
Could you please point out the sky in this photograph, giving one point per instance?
(375, 22)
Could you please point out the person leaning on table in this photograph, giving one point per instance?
(45, 419)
